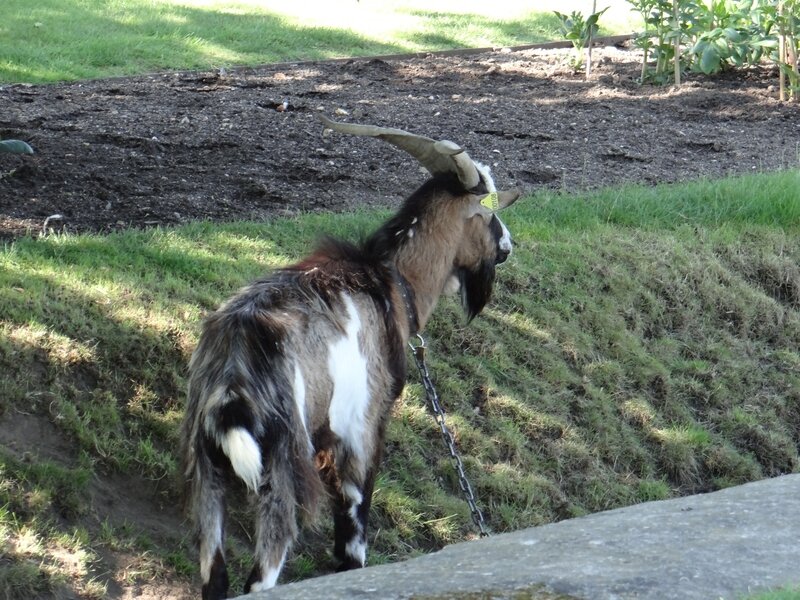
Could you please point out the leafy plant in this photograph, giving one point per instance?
(579, 31)
(784, 18)
(720, 34)
(657, 40)
(15, 147)
(726, 33)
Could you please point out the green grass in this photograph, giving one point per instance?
(642, 343)
(52, 40)
(791, 593)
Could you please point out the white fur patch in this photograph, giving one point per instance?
(352, 493)
(355, 497)
(451, 286)
(505, 240)
(300, 401)
(486, 173)
(270, 578)
(208, 549)
(348, 371)
(245, 455)
(358, 550)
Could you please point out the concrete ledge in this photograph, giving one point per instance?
(727, 545)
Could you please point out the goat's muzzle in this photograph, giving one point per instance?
(502, 255)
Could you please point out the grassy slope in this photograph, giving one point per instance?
(642, 343)
(52, 40)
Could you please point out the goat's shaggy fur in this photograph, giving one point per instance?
(293, 379)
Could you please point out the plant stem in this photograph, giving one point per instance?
(589, 49)
(644, 65)
(781, 54)
(677, 58)
(793, 56)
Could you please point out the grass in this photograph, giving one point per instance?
(642, 344)
(789, 593)
(52, 40)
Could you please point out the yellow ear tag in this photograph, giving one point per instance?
(491, 202)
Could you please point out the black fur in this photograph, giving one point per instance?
(476, 287)
(217, 586)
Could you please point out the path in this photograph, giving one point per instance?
(727, 545)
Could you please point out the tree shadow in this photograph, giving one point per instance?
(93, 357)
(533, 28)
(162, 37)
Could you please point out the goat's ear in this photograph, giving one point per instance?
(508, 197)
(487, 204)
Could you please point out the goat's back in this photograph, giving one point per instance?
(306, 357)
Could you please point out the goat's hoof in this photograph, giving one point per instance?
(349, 564)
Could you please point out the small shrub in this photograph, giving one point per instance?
(650, 490)
(579, 31)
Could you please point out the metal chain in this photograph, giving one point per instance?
(447, 436)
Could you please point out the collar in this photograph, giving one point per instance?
(408, 299)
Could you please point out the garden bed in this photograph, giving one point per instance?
(163, 149)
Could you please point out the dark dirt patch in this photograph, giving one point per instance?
(169, 148)
(29, 437)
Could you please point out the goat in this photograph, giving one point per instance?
(293, 378)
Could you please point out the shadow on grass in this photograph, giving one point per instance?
(95, 335)
(441, 30)
(55, 40)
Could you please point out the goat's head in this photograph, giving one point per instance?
(486, 243)
(478, 239)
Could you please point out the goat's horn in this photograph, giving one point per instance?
(436, 157)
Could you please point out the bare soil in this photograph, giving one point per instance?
(168, 148)
(165, 149)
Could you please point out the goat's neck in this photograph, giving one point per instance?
(426, 264)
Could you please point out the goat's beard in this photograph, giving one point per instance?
(476, 287)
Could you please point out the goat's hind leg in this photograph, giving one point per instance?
(276, 529)
(209, 511)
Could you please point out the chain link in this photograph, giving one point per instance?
(447, 436)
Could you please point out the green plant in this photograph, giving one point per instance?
(579, 31)
(783, 17)
(720, 34)
(656, 41)
(725, 33)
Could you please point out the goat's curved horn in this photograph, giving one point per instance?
(437, 157)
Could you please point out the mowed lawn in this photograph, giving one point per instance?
(52, 40)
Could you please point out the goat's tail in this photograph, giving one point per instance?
(257, 445)
(244, 453)
(261, 441)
